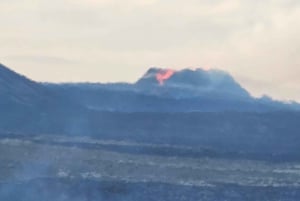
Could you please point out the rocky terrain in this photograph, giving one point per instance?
(67, 168)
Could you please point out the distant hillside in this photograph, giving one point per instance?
(159, 90)
(194, 108)
(28, 104)
(18, 90)
(178, 91)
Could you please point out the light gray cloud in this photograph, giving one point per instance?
(112, 40)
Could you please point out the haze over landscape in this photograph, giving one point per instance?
(110, 40)
(153, 100)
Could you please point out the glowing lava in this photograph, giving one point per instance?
(164, 75)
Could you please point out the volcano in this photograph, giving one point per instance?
(189, 83)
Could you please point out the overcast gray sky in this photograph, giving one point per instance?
(257, 41)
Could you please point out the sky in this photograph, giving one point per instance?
(257, 41)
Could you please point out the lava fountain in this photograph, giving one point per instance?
(164, 75)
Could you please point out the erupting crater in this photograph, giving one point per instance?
(164, 75)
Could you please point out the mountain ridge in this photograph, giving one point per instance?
(184, 90)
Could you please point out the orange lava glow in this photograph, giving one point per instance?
(164, 75)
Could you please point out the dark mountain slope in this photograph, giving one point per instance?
(25, 104)
(18, 90)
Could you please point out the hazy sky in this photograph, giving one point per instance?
(257, 41)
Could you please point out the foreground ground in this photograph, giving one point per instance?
(75, 168)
